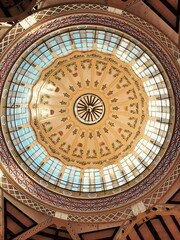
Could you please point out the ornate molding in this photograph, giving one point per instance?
(116, 201)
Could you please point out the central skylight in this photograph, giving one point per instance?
(125, 150)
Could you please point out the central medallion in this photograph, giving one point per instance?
(89, 108)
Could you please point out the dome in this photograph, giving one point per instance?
(88, 111)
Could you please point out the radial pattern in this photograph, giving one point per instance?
(87, 110)
(107, 135)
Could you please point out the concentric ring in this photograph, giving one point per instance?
(152, 106)
(89, 109)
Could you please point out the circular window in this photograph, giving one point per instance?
(88, 109)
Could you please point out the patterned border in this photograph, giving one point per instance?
(145, 185)
(171, 47)
(39, 15)
(17, 29)
(124, 214)
(14, 192)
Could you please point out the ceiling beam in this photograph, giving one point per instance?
(56, 234)
(138, 232)
(128, 238)
(1, 213)
(32, 231)
(72, 231)
(14, 219)
(171, 201)
(176, 222)
(165, 227)
(153, 230)
(150, 215)
(5, 10)
(52, 236)
(8, 231)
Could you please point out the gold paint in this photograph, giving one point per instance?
(68, 139)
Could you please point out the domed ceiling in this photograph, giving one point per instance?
(87, 111)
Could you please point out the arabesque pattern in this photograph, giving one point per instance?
(17, 29)
(135, 192)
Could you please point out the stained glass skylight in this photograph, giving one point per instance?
(99, 50)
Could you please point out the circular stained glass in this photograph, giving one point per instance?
(87, 110)
(118, 123)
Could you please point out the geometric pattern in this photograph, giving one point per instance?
(17, 28)
(126, 213)
(145, 185)
(122, 214)
(74, 7)
(15, 217)
(111, 217)
(124, 108)
(153, 198)
(14, 192)
(171, 47)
